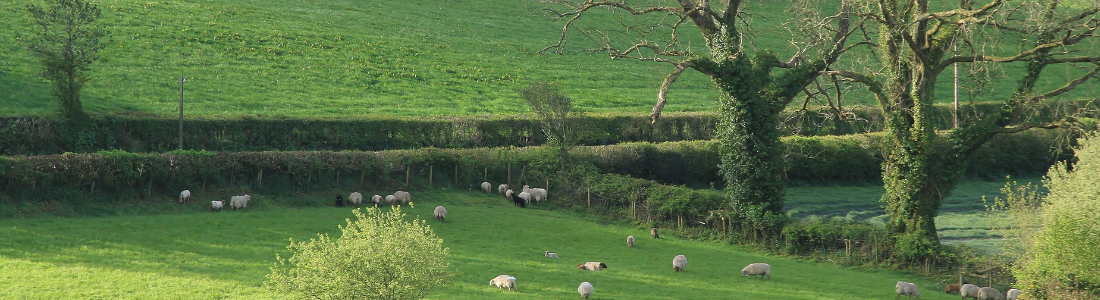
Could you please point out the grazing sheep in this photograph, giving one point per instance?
(355, 198)
(539, 194)
(906, 289)
(516, 199)
(504, 281)
(440, 213)
(654, 233)
(402, 196)
(1013, 294)
(679, 263)
(502, 188)
(339, 200)
(988, 293)
(391, 199)
(630, 241)
(485, 186)
(551, 254)
(240, 202)
(216, 205)
(525, 196)
(585, 289)
(185, 196)
(968, 291)
(377, 199)
(754, 269)
(951, 287)
(592, 266)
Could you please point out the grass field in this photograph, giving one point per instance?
(201, 255)
(385, 57)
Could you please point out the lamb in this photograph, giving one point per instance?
(907, 289)
(185, 196)
(402, 196)
(585, 289)
(1013, 294)
(339, 200)
(988, 293)
(240, 202)
(551, 254)
(391, 199)
(951, 287)
(968, 291)
(440, 213)
(679, 263)
(504, 281)
(754, 269)
(592, 266)
(515, 199)
(377, 199)
(502, 188)
(630, 241)
(654, 233)
(485, 186)
(525, 196)
(355, 198)
(216, 205)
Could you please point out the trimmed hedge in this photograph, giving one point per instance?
(42, 136)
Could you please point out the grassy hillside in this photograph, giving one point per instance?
(201, 255)
(343, 57)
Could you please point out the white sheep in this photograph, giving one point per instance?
(185, 196)
(679, 263)
(355, 198)
(440, 213)
(504, 281)
(391, 199)
(487, 187)
(216, 205)
(592, 266)
(754, 269)
(1013, 294)
(240, 202)
(630, 241)
(539, 194)
(969, 291)
(906, 289)
(551, 254)
(525, 196)
(526, 188)
(377, 199)
(503, 187)
(402, 196)
(988, 293)
(585, 289)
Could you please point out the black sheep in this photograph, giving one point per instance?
(518, 201)
(339, 200)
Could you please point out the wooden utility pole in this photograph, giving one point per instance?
(181, 111)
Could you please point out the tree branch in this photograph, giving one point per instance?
(576, 14)
(1069, 86)
(662, 92)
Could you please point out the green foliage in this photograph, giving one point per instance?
(555, 111)
(379, 255)
(863, 239)
(66, 39)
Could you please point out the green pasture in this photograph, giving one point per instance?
(341, 58)
(201, 255)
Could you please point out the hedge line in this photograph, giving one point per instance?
(41, 136)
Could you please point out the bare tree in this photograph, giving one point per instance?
(913, 46)
(66, 39)
(753, 95)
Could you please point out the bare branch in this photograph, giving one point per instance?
(662, 93)
(1069, 86)
(588, 5)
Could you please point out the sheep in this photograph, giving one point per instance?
(216, 205)
(526, 189)
(988, 293)
(1013, 294)
(539, 194)
(440, 213)
(504, 281)
(240, 202)
(516, 199)
(355, 198)
(654, 233)
(551, 254)
(377, 199)
(525, 196)
(391, 199)
(592, 266)
(502, 188)
(339, 200)
(754, 269)
(630, 241)
(679, 263)
(968, 291)
(185, 196)
(907, 289)
(487, 187)
(402, 196)
(585, 289)
(951, 287)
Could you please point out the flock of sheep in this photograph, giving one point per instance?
(966, 290)
(235, 202)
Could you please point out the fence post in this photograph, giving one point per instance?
(260, 178)
(430, 175)
(456, 175)
(406, 176)
(589, 198)
(181, 112)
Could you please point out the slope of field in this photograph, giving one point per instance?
(201, 255)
